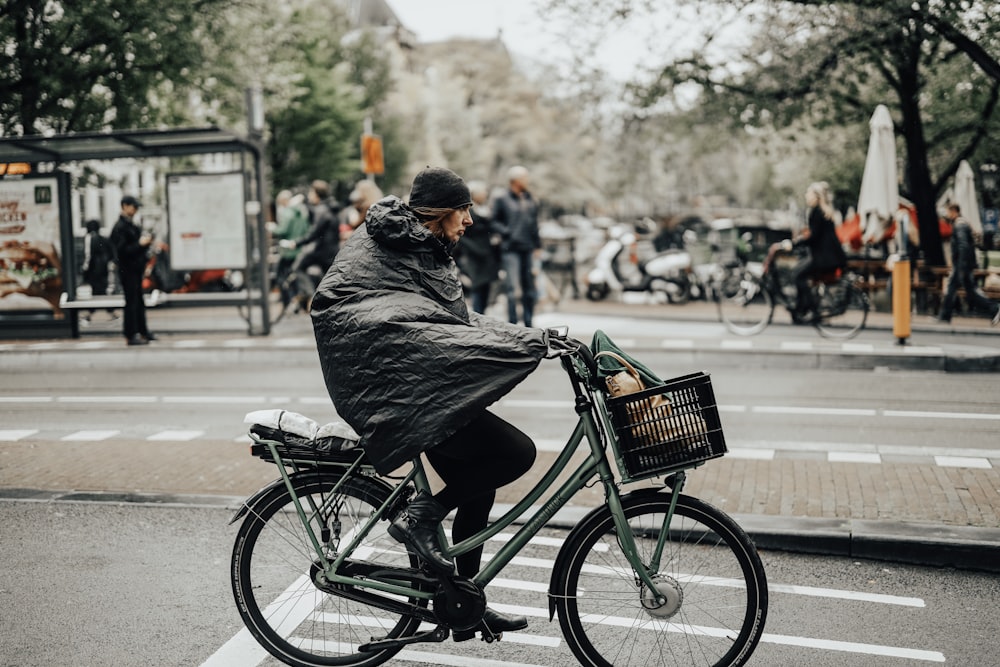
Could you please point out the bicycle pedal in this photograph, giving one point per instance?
(438, 634)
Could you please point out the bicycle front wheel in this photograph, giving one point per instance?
(745, 307)
(709, 572)
(272, 579)
(843, 310)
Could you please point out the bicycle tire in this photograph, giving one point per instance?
(710, 570)
(843, 310)
(745, 306)
(287, 614)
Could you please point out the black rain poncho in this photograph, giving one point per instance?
(404, 360)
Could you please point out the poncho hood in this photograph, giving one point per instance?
(405, 362)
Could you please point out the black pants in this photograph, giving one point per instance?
(801, 273)
(134, 320)
(961, 277)
(478, 459)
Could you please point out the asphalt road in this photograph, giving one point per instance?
(111, 584)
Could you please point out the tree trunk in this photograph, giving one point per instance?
(920, 188)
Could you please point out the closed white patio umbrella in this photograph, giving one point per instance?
(879, 197)
(965, 196)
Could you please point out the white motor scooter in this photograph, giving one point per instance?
(666, 276)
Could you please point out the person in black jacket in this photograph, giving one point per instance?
(411, 370)
(515, 219)
(131, 251)
(322, 242)
(478, 255)
(963, 263)
(98, 253)
(824, 254)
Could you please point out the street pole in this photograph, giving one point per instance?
(901, 288)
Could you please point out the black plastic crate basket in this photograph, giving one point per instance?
(656, 436)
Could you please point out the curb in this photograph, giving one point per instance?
(912, 543)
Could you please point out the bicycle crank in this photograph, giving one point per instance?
(667, 588)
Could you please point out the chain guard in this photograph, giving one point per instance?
(459, 603)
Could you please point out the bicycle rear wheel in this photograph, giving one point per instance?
(745, 307)
(843, 310)
(709, 572)
(271, 575)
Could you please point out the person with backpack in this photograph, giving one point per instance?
(98, 253)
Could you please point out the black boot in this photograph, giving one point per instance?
(417, 527)
(493, 623)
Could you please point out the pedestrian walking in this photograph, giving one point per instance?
(963, 265)
(515, 218)
(478, 254)
(131, 246)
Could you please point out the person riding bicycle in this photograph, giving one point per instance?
(824, 254)
(413, 371)
(320, 244)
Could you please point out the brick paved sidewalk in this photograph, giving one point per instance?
(783, 487)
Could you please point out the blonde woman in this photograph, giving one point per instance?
(819, 238)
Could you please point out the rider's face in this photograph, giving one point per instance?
(454, 224)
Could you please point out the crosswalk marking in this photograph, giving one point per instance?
(962, 462)
(853, 457)
(13, 435)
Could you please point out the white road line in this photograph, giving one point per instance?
(919, 414)
(13, 435)
(797, 345)
(548, 405)
(857, 347)
(736, 344)
(171, 436)
(89, 436)
(854, 596)
(26, 399)
(238, 400)
(107, 399)
(854, 647)
(788, 410)
(677, 344)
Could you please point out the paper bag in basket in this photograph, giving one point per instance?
(628, 382)
(652, 408)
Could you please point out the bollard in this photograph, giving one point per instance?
(901, 300)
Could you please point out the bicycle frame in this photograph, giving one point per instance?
(593, 425)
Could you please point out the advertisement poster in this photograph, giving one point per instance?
(30, 262)
(206, 214)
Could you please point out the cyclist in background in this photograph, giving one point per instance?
(825, 252)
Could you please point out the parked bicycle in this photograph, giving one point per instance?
(653, 576)
(747, 295)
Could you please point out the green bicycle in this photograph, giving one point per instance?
(652, 577)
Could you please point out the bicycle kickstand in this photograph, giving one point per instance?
(438, 634)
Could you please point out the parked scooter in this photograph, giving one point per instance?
(667, 275)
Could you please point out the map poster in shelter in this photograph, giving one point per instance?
(207, 218)
(30, 263)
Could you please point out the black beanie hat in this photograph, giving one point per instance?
(436, 187)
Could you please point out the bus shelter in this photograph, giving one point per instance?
(215, 221)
